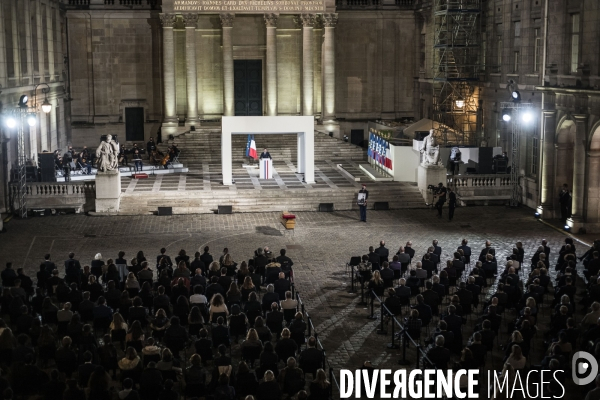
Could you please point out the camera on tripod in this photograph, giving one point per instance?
(433, 188)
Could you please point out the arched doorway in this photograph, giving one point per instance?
(565, 141)
(593, 184)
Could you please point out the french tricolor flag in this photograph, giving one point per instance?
(251, 147)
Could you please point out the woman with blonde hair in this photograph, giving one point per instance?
(319, 387)
(252, 342)
(214, 269)
(269, 389)
(118, 329)
(286, 347)
(516, 359)
(247, 288)
(160, 323)
(217, 305)
(515, 338)
(132, 282)
(229, 264)
(530, 302)
(242, 273)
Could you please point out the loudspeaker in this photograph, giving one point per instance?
(192, 128)
(381, 205)
(486, 157)
(225, 210)
(165, 210)
(326, 207)
(46, 164)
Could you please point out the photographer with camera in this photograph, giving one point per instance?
(440, 193)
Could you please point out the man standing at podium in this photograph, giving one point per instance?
(265, 154)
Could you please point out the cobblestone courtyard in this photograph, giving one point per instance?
(320, 247)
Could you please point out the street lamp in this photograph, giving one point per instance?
(46, 106)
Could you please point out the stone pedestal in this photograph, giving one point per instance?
(108, 191)
(430, 175)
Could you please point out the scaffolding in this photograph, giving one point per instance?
(457, 29)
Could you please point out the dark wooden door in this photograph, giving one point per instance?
(134, 124)
(248, 87)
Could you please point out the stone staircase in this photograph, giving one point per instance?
(204, 146)
(398, 195)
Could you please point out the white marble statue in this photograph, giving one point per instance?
(430, 150)
(107, 155)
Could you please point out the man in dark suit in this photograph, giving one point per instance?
(425, 313)
(488, 249)
(214, 288)
(431, 298)
(451, 203)
(165, 256)
(439, 355)
(546, 248)
(382, 251)
(265, 154)
(48, 265)
(260, 261)
(72, 269)
(458, 264)
(428, 265)
(454, 324)
(86, 369)
(206, 258)
(465, 296)
(362, 204)
(286, 263)
(374, 257)
(224, 280)
(409, 250)
(161, 300)
(466, 250)
(311, 358)
(281, 286)
(269, 298)
(437, 250)
(220, 333)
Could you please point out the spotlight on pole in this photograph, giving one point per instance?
(537, 215)
(567, 228)
(506, 115)
(11, 122)
(460, 103)
(516, 96)
(527, 116)
(31, 120)
(23, 100)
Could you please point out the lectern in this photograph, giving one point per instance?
(266, 168)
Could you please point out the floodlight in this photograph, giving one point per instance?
(11, 122)
(31, 120)
(23, 100)
(527, 116)
(506, 115)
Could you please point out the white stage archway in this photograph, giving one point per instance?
(303, 127)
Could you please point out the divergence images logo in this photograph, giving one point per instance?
(584, 368)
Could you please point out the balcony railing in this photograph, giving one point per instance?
(69, 195)
(481, 189)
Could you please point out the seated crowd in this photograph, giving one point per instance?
(473, 308)
(191, 327)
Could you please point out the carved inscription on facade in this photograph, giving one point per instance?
(244, 6)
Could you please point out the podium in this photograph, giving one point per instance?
(265, 168)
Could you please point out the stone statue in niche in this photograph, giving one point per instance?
(430, 150)
(107, 155)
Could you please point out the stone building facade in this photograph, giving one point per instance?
(110, 62)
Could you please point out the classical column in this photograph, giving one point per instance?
(228, 94)
(579, 167)
(271, 22)
(328, 66)
(191, 23)
(3, 72)
(50, 40)
(41, 67)
(308, 105)
(15, 40)
(548, 138)
(168, 20)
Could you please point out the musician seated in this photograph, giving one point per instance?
(83, 162)
(123, 151)
(137, 159)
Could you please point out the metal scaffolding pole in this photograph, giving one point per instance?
(520, 113)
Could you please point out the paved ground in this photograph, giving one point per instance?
(320, 247)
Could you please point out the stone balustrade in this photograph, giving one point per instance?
(481, 189)
(375, 4)
(58, 195)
